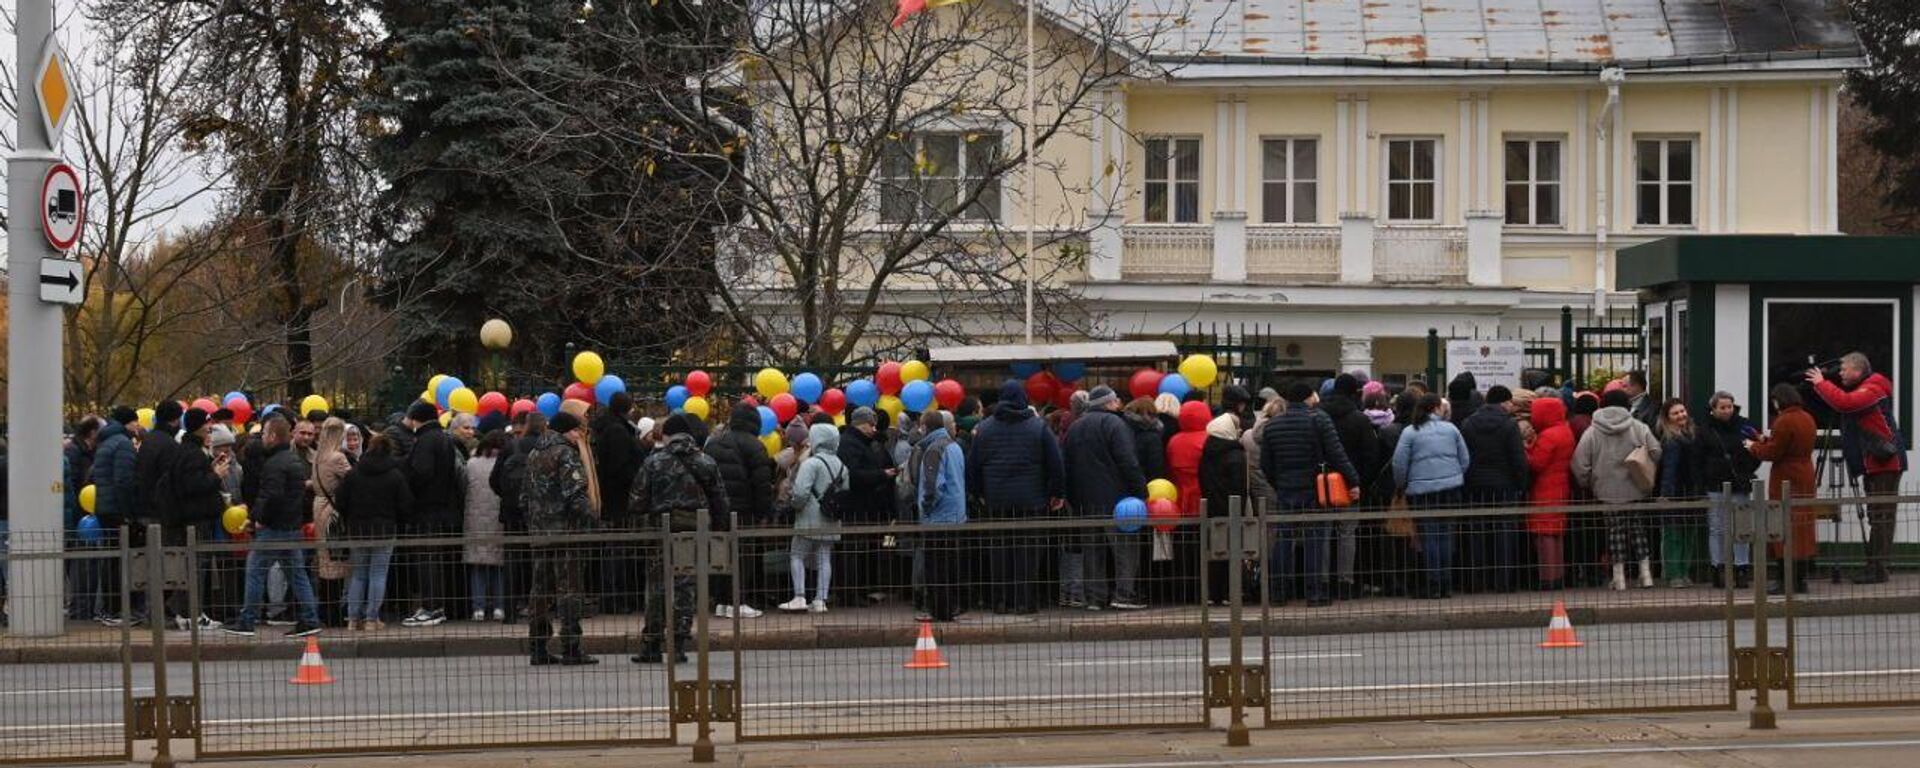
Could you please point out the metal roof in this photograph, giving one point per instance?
(1091, 353)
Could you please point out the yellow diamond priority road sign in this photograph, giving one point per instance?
(53, 83)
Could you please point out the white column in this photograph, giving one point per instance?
(1242, 144)
(1710, 146)
(1362, 157)
(1731, 221)
(1577, 198)
(1463, 152)
(1222, 153)
(1106, 204)
(1356, 247)
(1356, 354)
(1484, 169)
(1341, 168)
(1483, 248)
(1816, 192)
(1832, 157)
(1229, 215)
(1229, 246)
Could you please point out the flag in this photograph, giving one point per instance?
(911, 7)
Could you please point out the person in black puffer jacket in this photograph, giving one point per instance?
(747, 473)
(155, 458)
(1017, 472)
(432, 471)
(1102, 468)
(1496, 477)
(507, 479)
(277, 516)
(870, 473)
(1149, 439)
(1294, 447)
(615, 462)
(1723, 458)
(372, 500)
(1362, 443)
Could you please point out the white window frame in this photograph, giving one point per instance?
(996, 211)
(1766, 341)
(1666, 185)
(1438, 181)
(1172, 181)
(1533, 182)
(1292, 181)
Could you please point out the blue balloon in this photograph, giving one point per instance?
(232, 396)
(863, 393)
(1069, 372)
(917, 396)
(608, 386)
(445, 390)
(806, 388)
(90, 529)
(677, 397)
(768, 421)
(548, 404)
(1024, 370)
(1175, 384)
(1128, 513)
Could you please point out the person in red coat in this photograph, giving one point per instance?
(1550, 461)
(1183, 455)
(1789, 445)
(1864, 400)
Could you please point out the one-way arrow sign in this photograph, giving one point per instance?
(61, 281)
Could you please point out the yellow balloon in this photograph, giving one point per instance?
(893, 407)
(769, 382)
(234, 519)
(1162, 489)
(840, 419)
(313, 403)
(427, 396)
(914, 370)
(433, 385)
(464, 400)
(1199, 370)
(697, 406)
(772, 441)
(145, 417)
(86, 498)
(588, 368)
(446, 419)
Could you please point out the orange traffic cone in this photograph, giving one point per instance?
(1560, 630)
(312, 670)
(926, 654)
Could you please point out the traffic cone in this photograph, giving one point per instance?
(1560, 629)
(926, 654)
(312, 670)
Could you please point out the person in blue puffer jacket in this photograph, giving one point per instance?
(939, 470)
(1430, 465)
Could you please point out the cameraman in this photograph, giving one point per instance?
(1872, 446)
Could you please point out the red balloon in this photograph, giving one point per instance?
(492, 402)
(1040, 387)
(699, 383)
(242, 411)
(784, 406)
(206, 405)
(521, 406)
(580, 392)
(307, 531)
(833, 401)
(888, 377)
(1145, 382)
(750, 401)
(1163, 509)
(948, 393)
(1063, 397)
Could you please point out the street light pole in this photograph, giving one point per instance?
(35, 367)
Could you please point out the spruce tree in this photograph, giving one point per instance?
(1889, 88)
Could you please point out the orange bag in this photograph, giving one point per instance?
(1331, 487)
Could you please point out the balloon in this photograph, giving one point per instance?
(578, 391)
(1069, 372)
(446, 419)
(234, 519)
(521, 406)
(769, 421)
(307, 532)
(769, 382)
(1200, 370)
(588, 368)
(697, 407)
(241, 409)
(463, 400)
(426, 396)
(91, 530)
(1175, 384)
(496, 334)
(205, 405)
(888, 377)
(445, 389)
(1162, 509)
(1024, 370)
(677, 396)
(784, 406)
(1063, 398)
(892, 406)
(914, 370)
(1040, 387)
(750, 401)
(227, 399)
(699, 383)
(772, 441)
(917, 396)
(949, 393)
(839, 419)
(1161, 489)
(1145, 383)
(807, 387)
(313, 404)
(87, 497)
(833, 401)
(1128, 513)
(145, 417)
(609, 386)
(433, 384)
(492, 402)
(862, 393)
(549, 404)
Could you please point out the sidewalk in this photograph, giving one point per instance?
(893, 625)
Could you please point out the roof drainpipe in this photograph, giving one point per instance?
(1612, 78)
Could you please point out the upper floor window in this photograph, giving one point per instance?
(1290, 181)
(1413, 180)
(1533, 182)
(1663, 181)
(926, 175)
(1172, 183)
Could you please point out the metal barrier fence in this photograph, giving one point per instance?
(1262, 618)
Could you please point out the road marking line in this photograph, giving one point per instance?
(1342, 759)
(1197, 660)
(58, 691)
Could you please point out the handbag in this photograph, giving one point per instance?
(1330, 487)
(1640, 468)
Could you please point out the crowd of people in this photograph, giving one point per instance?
(478, 485)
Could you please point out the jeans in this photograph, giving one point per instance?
(1013, 566)
(802, 551)
(1717, 531)
(262, 557)
(1073, 572)
(1436, 536)
(367, 586)
(1316, 538)
(484, 582)
(1124, 549)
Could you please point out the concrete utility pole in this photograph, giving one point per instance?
(34, 352)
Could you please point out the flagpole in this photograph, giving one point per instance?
(1032, 179)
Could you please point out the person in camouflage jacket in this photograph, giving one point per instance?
(679, 481)
(554, 499)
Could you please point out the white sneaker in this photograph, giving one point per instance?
(795, 605)
(479, 615)
(499, 614)
(817, 606)
(723, 611)
(747, 612)
(422, 618)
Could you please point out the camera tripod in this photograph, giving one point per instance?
(1831, 473)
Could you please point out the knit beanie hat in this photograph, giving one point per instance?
(423, 412)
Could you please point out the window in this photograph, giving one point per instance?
(925, 175)
(1413, 180)
(1173, 180)
(1663, 178)
(1289, 181)
(1533, 182)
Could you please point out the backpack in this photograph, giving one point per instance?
(1884, 448)
(513, 477)
(837, 498)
